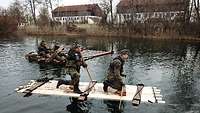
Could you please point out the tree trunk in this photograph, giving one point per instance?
(186, 12)
(32, 5)
(51, 6)
(196, 5)
(132, 12)
(111, 10)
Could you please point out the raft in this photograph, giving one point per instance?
(147, 94)
(34, 57)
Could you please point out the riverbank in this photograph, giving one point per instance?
(83, 30)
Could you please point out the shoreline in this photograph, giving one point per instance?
(113, 35)
(95, 31)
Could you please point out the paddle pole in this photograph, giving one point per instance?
(98, 55)
(88, 74)
(123, 88)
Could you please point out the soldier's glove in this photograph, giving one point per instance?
(84, 65)
(123, 75)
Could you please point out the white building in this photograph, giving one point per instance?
(87, 14)
(142, 10)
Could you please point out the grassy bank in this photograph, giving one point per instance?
(100, 31)
(48, 31)
(97, 31)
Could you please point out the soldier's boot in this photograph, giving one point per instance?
(76, 89)
(60, 82)
(105, 86)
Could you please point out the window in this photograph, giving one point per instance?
(156, 15)
(168, 14)
(124, 16)
(139, 15)
(136, 15)
(160, 15)
(172, 14)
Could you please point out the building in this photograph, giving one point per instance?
(142, 10)
(89, 13)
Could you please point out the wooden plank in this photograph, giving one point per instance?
(32, 88)
(96, 92)
(34, 85)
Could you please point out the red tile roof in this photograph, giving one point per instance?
(151, 5)
(80, 8)
(149, 2)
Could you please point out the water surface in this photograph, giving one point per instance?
(172, 66)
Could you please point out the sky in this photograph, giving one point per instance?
(6, 3)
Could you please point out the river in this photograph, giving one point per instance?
(172, 66)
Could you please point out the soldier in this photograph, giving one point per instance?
(75, 61)
(59, 55)
(115, 71)
(43, 49)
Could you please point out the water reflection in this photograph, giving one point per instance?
(184, 80)
(51, 71)
(114, 106)
(77, 106)
(172, 66)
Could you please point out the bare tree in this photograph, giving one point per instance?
(49, 4)
(33, 10)
(43, 19)
(8, 25)
(111, 10)
(16, 11)
(187, 11)
(197, 9)
(2, 11)
(107, 7)
(32, 6)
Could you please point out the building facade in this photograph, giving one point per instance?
(143, 10)
(88, 14)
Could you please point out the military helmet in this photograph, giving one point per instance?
(124, 51)
(76, 45)
(43, 42)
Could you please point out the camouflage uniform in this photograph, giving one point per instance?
(114, 74)
(73, 66)
(43, 49)
(75, 61)
(60, 56)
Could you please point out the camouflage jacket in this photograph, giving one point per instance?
(115, 69)
(75, 60)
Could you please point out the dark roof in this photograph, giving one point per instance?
(80, 8)
(150, 5)
(150, 2)
(75, 8)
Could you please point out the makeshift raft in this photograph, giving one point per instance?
(146, 94)
(34, 57)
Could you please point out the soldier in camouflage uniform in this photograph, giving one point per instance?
(44, 50)
(75, 61)
(115, 70)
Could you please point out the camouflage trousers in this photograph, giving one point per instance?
(114, 83)
(75, 75)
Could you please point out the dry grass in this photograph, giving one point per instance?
(100, 31)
